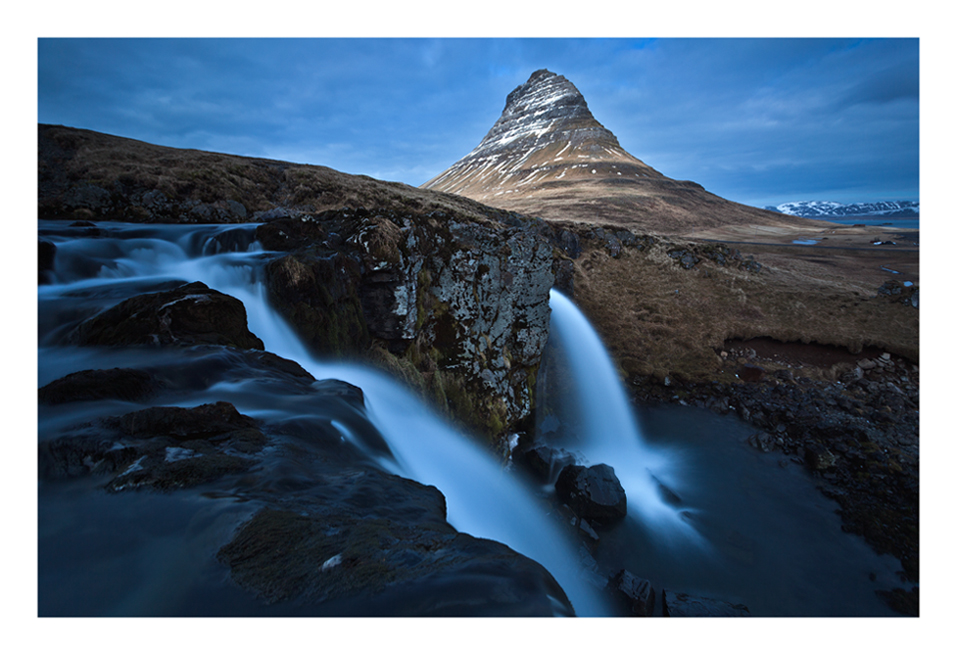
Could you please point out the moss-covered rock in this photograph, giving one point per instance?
(456, 308)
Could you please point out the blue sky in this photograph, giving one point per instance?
(759, 121)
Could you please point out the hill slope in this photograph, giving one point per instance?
(86, 174)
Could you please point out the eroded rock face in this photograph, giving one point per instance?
(465, 303)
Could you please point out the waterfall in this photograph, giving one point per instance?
(604, 427)
(706, 513)
(483, 499)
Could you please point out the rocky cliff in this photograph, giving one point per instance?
(457, 308)
(447, 294)
(548, 156)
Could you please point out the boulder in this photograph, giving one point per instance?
(544, 462)
(635, 596)
(817, 457)
(188, 315)
(182, 423)
(594, 493)
(676, 603)
(156, 447)
(115, 383)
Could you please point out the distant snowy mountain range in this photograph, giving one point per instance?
(826, 209)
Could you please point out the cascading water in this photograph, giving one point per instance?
(706, 514)
(483, 499)
(605, 430)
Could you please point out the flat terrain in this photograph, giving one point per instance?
(665, 319)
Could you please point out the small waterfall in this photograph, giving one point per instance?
(483, 499)
(604, 429)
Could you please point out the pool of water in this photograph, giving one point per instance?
(775, 542)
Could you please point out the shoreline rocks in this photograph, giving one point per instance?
(858, 435)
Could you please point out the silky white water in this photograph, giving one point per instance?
(606, 429)
(745, 526)
(483, 499)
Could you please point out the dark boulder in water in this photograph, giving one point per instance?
(182, 423)
(188, 315)
(594, 493)
(116, 383)
(156, 447)
(635, 596)
(544, 461)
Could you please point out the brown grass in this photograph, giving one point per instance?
(71, 157)
(662, 320)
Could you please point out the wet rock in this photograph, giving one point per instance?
(594, 493)
(762, 441)
(375, 544)
(544, 462)
(678, 604)
(75, 457)
(182, 423)
(157, 447)
(116, 383)
(187, 315)
(817, 457)
(46, 253)
(634, 595)
(565, 277)
(569, 243)
(175, 467)
(320, 297)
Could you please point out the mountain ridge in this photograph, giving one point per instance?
(830, 209)
(548, 156)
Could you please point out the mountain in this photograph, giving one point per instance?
(827, 209)
(548, 156)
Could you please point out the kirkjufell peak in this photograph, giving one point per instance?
(546, 132)
(548, 156)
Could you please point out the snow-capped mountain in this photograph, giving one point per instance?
(827, 209)
(548, 156)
